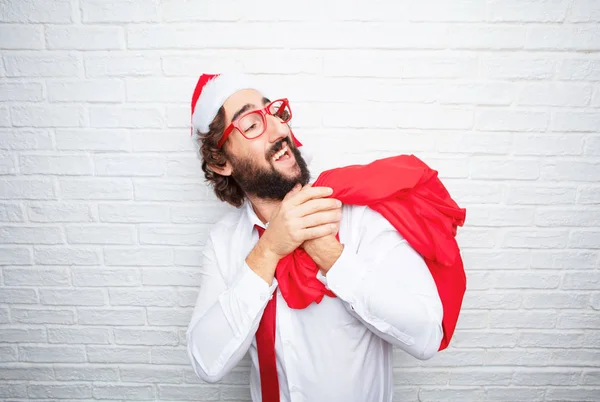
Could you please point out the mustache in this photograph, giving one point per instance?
(278, 146)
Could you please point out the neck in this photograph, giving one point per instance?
(263, 209)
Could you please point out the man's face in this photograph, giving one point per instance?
(258, 165)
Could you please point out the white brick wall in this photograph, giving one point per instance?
(103, 212)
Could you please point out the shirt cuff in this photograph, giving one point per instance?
(253, 291)
(346, 275)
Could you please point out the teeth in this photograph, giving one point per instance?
(280, 153)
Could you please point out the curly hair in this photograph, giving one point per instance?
(225, 187)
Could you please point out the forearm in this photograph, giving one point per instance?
(263, 261)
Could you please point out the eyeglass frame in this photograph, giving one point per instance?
(262, 112)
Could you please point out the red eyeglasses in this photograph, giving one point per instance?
(253, 124)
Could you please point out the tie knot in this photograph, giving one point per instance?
(260, 229)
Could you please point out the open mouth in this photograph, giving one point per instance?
(283, 155)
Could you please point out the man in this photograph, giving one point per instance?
(378, 291)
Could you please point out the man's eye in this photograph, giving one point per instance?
(252, 127)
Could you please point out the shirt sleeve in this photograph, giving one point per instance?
(225, 317)
(387, 285)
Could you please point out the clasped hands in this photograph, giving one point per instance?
(306, 218)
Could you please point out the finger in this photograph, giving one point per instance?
(318, 205)
(321, 218)
(293, 191)
(318, 231)
(309, 193)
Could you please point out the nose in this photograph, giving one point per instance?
(276, 129)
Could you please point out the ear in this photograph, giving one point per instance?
(222, 170)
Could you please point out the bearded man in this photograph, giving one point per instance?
(320, 332)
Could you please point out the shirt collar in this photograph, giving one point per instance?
(253, 217)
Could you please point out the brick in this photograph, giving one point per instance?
(448, 117)
(119, 64)
(161, 141)
(509, 67)
(72, 297)
(520, 357)
(90, 277)
(526, 280)
(579, 320)
(373, 64)
(186, 65)
(477, 238)
(576, 357)
(24, 64)
(143, 298)
(31, 235)
(554, 170)
(540, 195)
(487, 300)
(133, 213)
(25, 139)
(592, 146)
(168, 317)
(596, 301)
(112, 354)
(139, 256)
(487, 93)
(548, 144)
(496, 376)
(111, 165)
(7, 163)
(27, 189)
(179, 117)
(579, 69)
(3, 316)
(571, 394)
(96, 189)
(494, 169)
(68, 165)
(52, 354)
(40, 391)
(158, 89)
(150, 374)
(497, 259)
(11, 213)
(365, 89)
(530, 11)
(126, 117)
(37, 316)
(48, 116)
(120, 11)
(99, 90)
(36, 276)
(557, 300)
(26, 372)
(536, 239)
(124, 392)
(180, 235)
(543, 377)
(581, 280)
(557, 94)
(59, 212)
(183, 167)
(567, 217)
(101, 234)
(15, 256)
(575, 121)
(504, 216)
(468, 36)
(510, 120)
(149, 337)
(85, 38)
(66, 255)
(589, 195)
(172, 190)
(129, 316)
(584, 11)
(550, 339)
(590, 378)
(484, 339)
(451, 394)
(524, 394)
(20, 335)
(79, 373)
(482, 192)
(8, 391)
(172, 356)
(188, 257)
(564, 259)
(92, 140)
(5, 120)
(36, 11)
(18, 296)
(79, 335)
(21, 91)
(21, 37)
(171, 277)
(192, 214)
(183, 392)
(187, 298)
(563, 37)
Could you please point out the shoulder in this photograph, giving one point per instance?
(226, 226)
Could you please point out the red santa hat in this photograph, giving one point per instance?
(211, 92)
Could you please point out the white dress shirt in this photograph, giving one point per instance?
(339, 350)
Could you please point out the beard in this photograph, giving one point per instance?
(266, 182)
